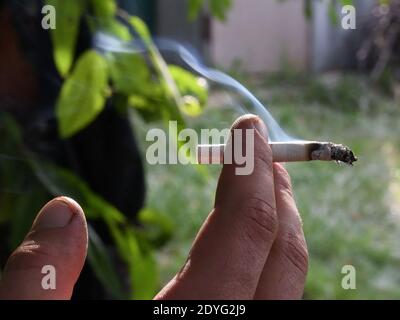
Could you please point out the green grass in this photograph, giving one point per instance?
(351, 215)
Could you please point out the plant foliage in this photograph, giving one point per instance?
(142, 82)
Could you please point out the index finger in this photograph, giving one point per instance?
(285, 271)
(230, 251)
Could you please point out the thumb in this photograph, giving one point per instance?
(48, 262)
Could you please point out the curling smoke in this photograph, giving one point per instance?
(109, 43)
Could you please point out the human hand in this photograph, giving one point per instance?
(58, 238)
(251, 246)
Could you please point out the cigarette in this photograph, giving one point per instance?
(285, 152)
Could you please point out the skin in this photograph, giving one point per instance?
(251, 246)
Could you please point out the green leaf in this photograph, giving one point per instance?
(105, 20)
(157, 227)
(308, 9)
(193, 89)
(347, 2)
(9, 128)
(64, 37)
(194, 9)
(143, 270)
(170, 110)
(333, 16)
(141, 29)
(103, 265)
(219, 8)
(83, 94)
(139, 259)
(118, 29)
(21, 196)
(191, 106)
(104, 8)
(130, 74)
(62, 182)
(151, 108)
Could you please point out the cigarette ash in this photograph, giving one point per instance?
(337, 152)
(342, 153)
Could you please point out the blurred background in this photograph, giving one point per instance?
(76, 103)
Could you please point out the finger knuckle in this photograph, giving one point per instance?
(261, 219)
(263, 156)
(37, 253)
(295, 250)
(30, 254)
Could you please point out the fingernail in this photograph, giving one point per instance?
(56, 214)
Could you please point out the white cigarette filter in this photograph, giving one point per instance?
(285, 152)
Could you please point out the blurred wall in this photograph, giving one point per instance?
(262, 34)
(332, 46)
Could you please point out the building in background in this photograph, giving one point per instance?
(263, 35)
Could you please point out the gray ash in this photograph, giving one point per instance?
(343, 154)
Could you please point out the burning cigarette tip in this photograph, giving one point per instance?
(343, 154)
(334, 152)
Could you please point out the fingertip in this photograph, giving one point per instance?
(250, 167)
(280, 168)
(251, 121)
(245, 121)
(257, 145)
(78, 224)
(58, 213)
(71, 203)
(78, 213)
